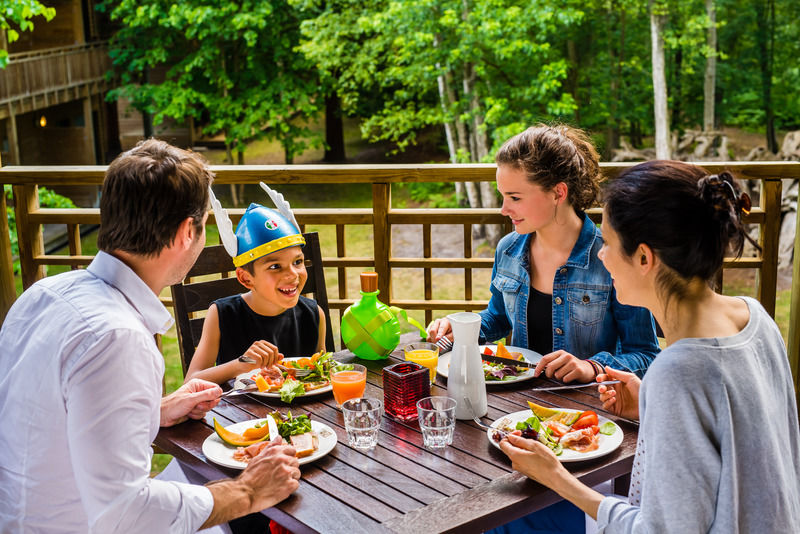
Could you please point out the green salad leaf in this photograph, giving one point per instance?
(291, 426)
(291, 388)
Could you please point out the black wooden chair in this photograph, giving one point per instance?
(190, 297)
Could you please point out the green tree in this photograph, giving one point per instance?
(231, 66)
(18, 14)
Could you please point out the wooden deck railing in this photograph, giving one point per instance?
(42, 78)
(381, 217)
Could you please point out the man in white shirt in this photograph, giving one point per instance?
(80, 373)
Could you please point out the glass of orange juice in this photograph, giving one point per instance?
(348, 382)
(425, 354)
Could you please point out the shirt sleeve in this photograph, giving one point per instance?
(638, 344)
(681, 462)
(112, 392)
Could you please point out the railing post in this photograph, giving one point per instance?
(8, 293)
(29, 236)
(794, 314)
(767, 277)
(382, 238)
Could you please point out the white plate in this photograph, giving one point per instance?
(529, 356)
(607, 443)
(276, 394)
(221, 453)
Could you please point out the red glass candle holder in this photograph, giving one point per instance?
(403, 385)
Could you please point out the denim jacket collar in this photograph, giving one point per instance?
(579, 257)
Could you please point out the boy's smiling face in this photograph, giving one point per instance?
(277, 279)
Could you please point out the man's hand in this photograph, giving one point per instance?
(565, 367)
(192, 400)
(268, 479)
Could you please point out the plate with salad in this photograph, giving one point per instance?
(235, 445)
(573, 435)
(285, 385)
(498, 373)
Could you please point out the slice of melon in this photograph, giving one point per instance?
(502, 351)
(553, 414)
(232, 438)
(256, 432)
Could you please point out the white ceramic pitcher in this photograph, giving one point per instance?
(465, 376)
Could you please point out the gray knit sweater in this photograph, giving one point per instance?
(719, 445)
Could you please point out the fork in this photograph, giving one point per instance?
(249, 385)
(445, 344)
(497, 431)
(299, 373)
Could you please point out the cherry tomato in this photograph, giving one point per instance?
(585, 420)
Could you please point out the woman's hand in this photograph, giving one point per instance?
(438, 329)
(565, 367)
(264, 353)
(623, 398)
(533, 460)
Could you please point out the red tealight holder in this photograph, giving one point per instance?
(403, 385)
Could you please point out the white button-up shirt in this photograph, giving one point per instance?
(80, 392)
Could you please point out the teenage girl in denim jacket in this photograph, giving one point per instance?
(549, 290)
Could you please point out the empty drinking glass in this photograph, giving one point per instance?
(362, 421)
(437, 420)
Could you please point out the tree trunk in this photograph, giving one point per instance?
(676, 90)
(709, 81)
(765, 35)
(334, 130)
(657, 22)
(445, 105)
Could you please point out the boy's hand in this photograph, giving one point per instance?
(264, 353)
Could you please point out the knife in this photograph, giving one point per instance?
(508, 361)
(273, 428)
(576, 386)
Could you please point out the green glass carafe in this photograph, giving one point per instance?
(370, 329)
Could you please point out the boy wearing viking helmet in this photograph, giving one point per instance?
(272, 320)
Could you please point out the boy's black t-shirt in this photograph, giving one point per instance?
(295, 332)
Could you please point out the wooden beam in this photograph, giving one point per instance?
(8, 293)
(382, 237)
(767, 275)
(794, 315)
(29, 235)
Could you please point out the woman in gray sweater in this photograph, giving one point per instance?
(719, 445)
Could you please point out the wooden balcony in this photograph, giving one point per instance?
(381, 216)
(43, 78)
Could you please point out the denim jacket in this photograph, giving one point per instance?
(588, 321)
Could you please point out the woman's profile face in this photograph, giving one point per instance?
(622, 269)
(529, 207)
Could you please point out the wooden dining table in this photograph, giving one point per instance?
(400, 486)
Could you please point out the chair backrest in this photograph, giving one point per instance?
(190, 297)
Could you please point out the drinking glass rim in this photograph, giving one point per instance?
(450, 400)
(371, 400)
(356, 366)
(422, 345)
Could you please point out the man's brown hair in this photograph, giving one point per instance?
(147, 192)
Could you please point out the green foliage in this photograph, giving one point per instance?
(231, 66)
(430, 194)
(18, 13)
(47, 199)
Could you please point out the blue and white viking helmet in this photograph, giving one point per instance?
(261, 230)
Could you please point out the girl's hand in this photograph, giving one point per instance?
(533, 460)
(438, 329)
(565, 367)
(623, 398)
(264, 354)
